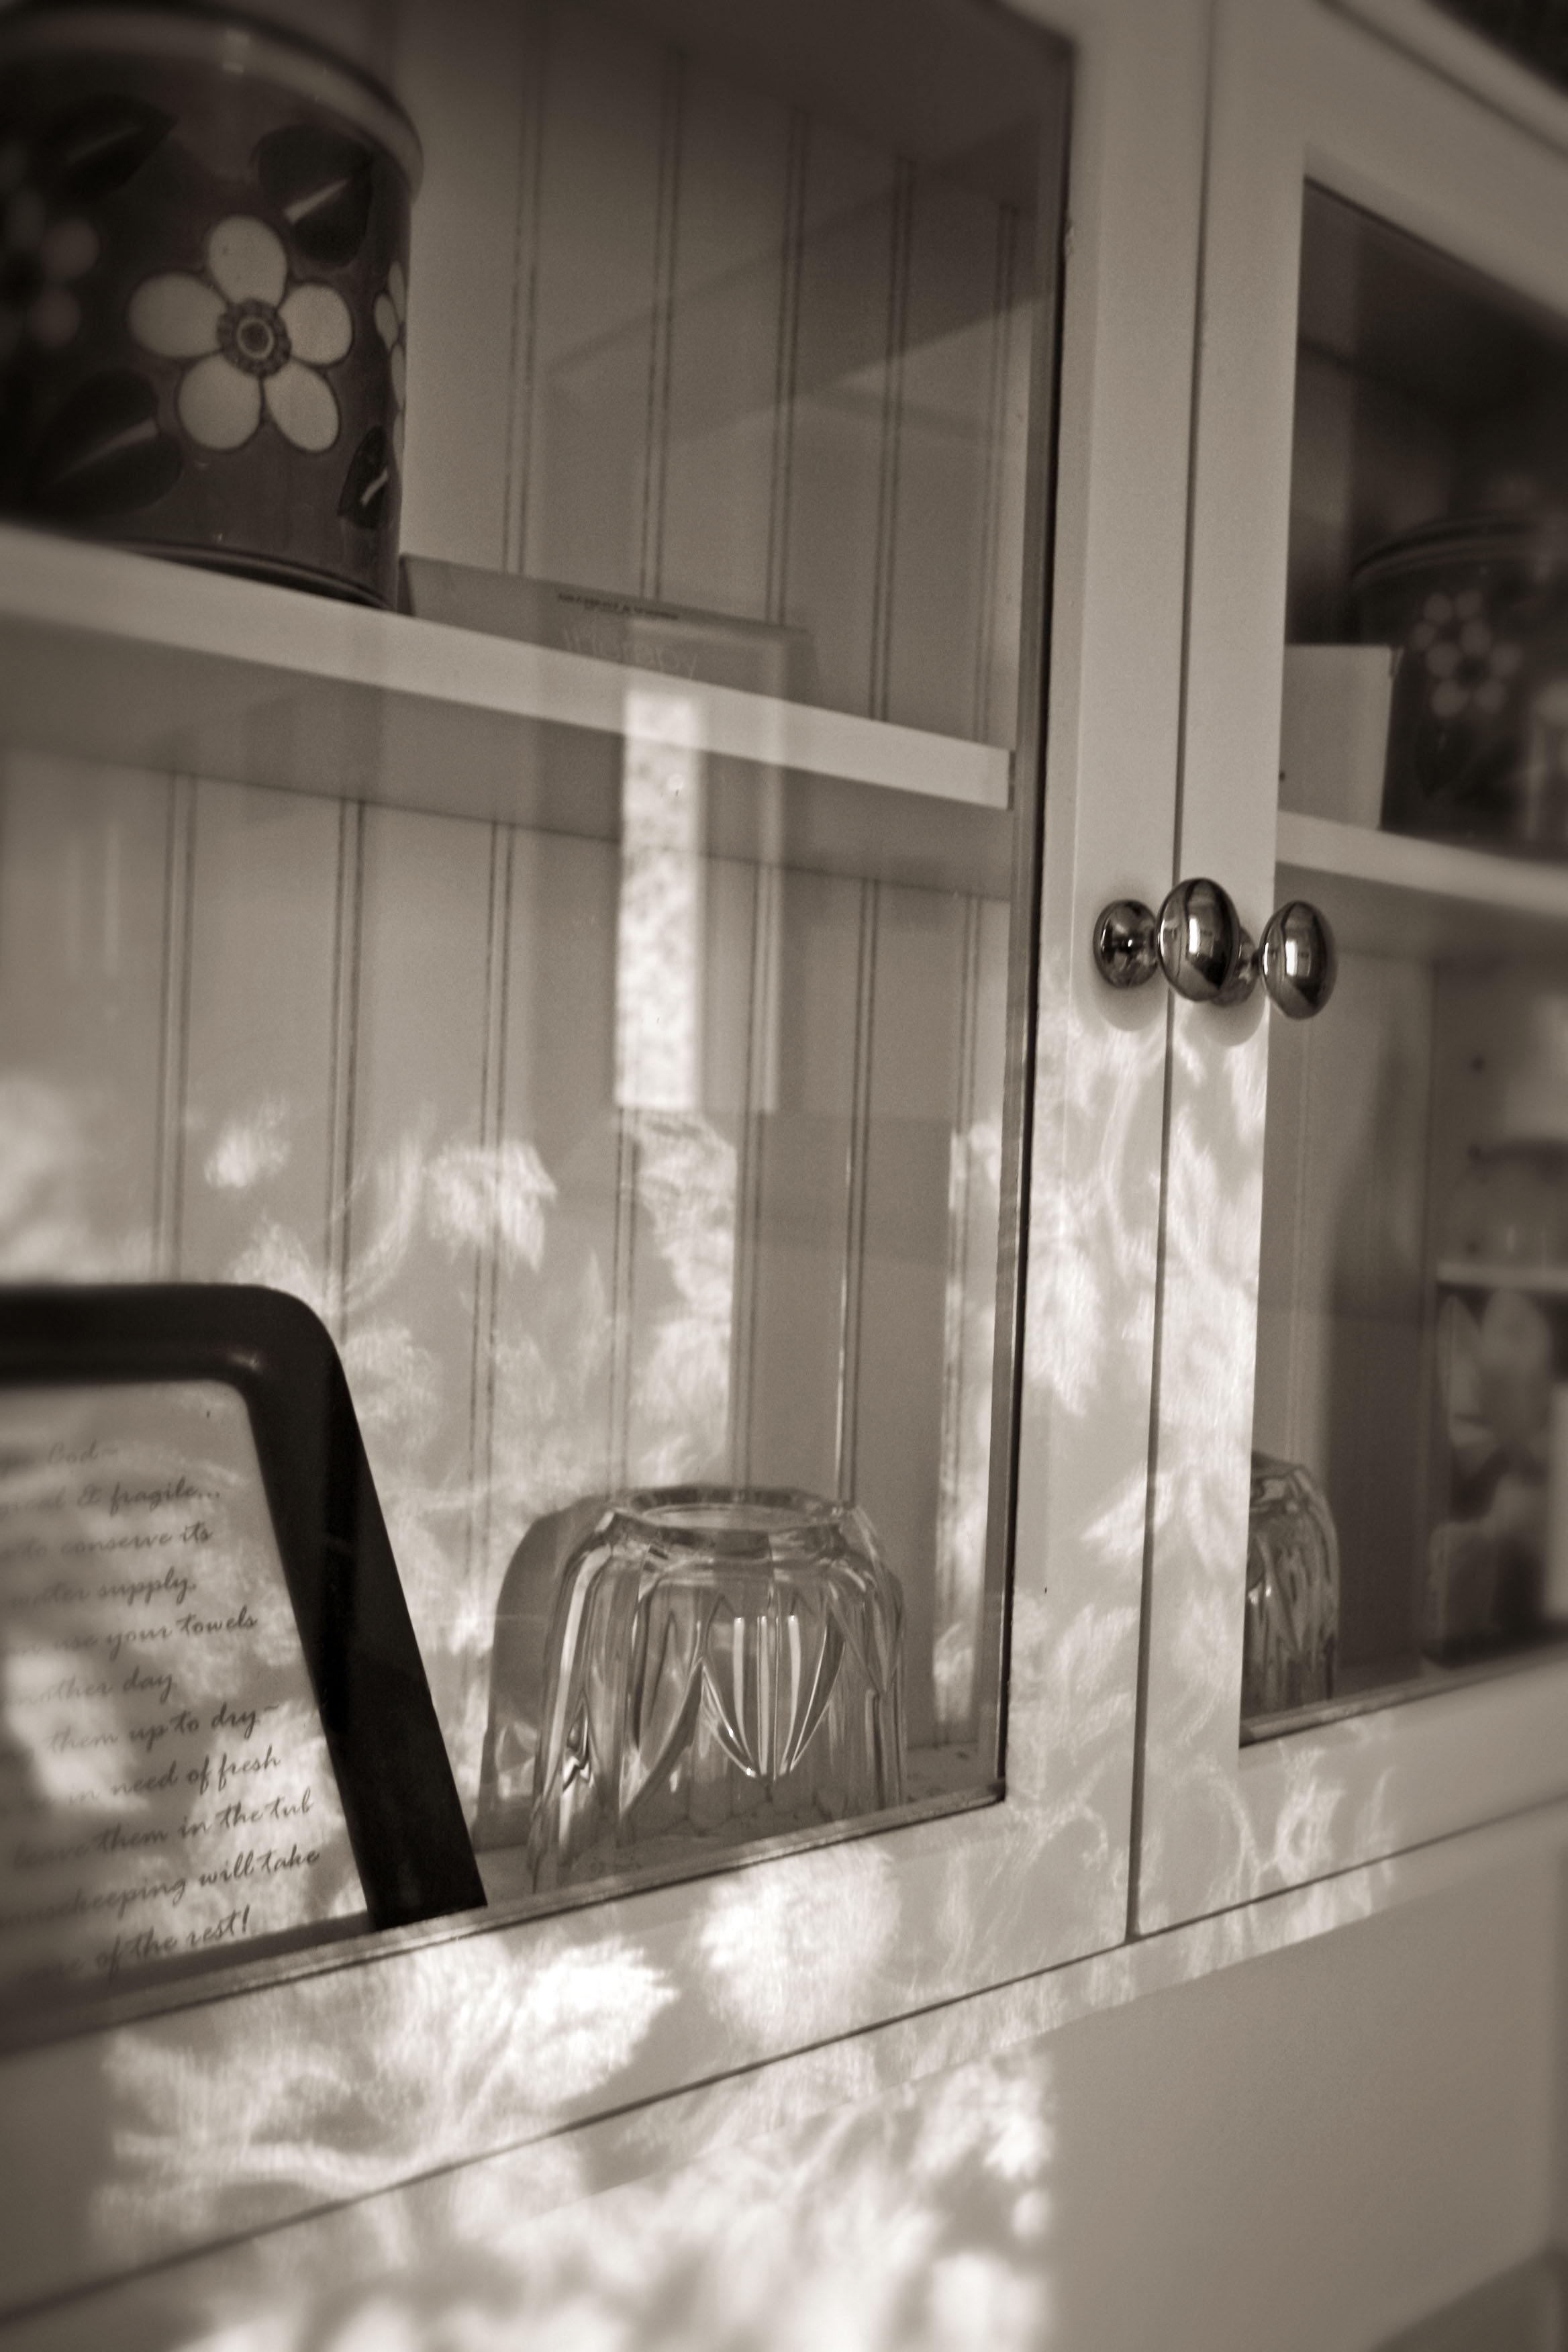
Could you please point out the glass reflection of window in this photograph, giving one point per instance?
(671, 1414)
(658, 932)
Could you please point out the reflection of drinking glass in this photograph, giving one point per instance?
(723, 1664)
(1292, 1591)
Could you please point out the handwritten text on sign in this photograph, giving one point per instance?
(165, 1790)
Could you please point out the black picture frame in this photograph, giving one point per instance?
(404, 1818)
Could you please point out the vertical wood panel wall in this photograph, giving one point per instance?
(754, 363)
(368, 1057)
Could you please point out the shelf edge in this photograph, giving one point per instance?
(139, 600)
(1432, 869)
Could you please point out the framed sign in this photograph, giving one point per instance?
(217, 1737)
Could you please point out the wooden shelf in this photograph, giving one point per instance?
(1481, 1273)
(1388, 894)
(141, 663)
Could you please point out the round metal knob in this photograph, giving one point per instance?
(1205, 954)
(1298, 959)
(1126, 952)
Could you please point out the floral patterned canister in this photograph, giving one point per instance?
(203, 260)
(1477, 740)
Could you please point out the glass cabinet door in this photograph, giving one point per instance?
(639, 1101)
(1385, 1118)
(631, 1011)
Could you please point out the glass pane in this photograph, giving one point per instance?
(1410, 1361)
(650, 1150)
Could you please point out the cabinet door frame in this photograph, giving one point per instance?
(1298, 93)
(146, 2139)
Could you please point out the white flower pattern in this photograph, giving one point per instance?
(39, 261)
(390, 314)
(255, 343)
(1465, 659)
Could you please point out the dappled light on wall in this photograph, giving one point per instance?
(1086, 1336)
(53, 1143)
(781, 1961)
(918, 2220)
(526, 2040)
(658, 941)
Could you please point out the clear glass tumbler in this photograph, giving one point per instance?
(723, 1665)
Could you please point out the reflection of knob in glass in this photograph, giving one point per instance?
(1297, 960)
(1205, 954)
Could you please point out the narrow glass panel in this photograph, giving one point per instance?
(1409, 1523)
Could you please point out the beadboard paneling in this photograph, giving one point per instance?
(92, 1000)
(256, 1142)
(686, 339)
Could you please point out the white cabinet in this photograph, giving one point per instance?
(314, 930)
(312, 920)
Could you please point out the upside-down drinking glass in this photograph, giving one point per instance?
(723, 1664)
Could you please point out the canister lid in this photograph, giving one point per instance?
(232, 43)
(1505, 535)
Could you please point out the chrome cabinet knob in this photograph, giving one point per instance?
(1198, 940)
(1205, 954)
(1126, 947)
(1298, 959)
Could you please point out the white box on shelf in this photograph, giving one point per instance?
(674, 641)
(1334, 731)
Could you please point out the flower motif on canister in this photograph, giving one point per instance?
(255, 343)
(1466, 662)
(40, 260)
(390, 314)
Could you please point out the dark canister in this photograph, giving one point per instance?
(1478, 739)
(203, 272)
